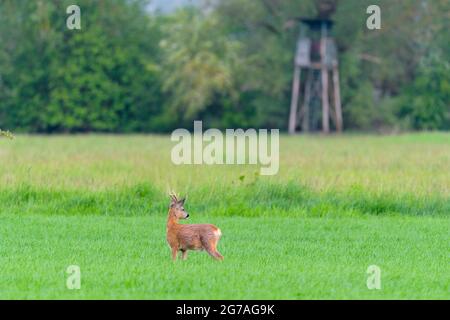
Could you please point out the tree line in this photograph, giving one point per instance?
(228, 63)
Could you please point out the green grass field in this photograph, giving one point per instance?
(338, 205)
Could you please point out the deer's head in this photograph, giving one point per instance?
(177, 207)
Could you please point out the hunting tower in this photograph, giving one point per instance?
(316, 56)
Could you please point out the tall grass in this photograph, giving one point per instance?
(131, 175)
(259, 199)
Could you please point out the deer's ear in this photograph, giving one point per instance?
(182, 201)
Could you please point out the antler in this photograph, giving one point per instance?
(173, 196)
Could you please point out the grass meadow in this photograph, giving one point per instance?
(338, 205)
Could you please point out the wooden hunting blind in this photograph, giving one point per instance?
(316, 54)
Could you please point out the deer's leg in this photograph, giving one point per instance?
(174, 253)
(211, 249)
(212, 253)
(217, 255)
(184, 254)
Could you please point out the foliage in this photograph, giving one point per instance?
(99, 78)
(228, 63)
(197, 63)
(426, 103)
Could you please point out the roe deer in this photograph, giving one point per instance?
(184, 237)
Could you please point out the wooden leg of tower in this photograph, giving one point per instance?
(337, 100)
(294, 100)
(305, 118)
(325, 102)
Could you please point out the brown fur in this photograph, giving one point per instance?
(184, 237)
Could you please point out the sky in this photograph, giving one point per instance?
(169, 5)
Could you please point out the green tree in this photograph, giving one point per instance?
(99, 78)
(426, 102)
(197, 65)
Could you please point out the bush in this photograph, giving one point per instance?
(426, 102)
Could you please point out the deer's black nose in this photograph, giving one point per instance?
(187, 216)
